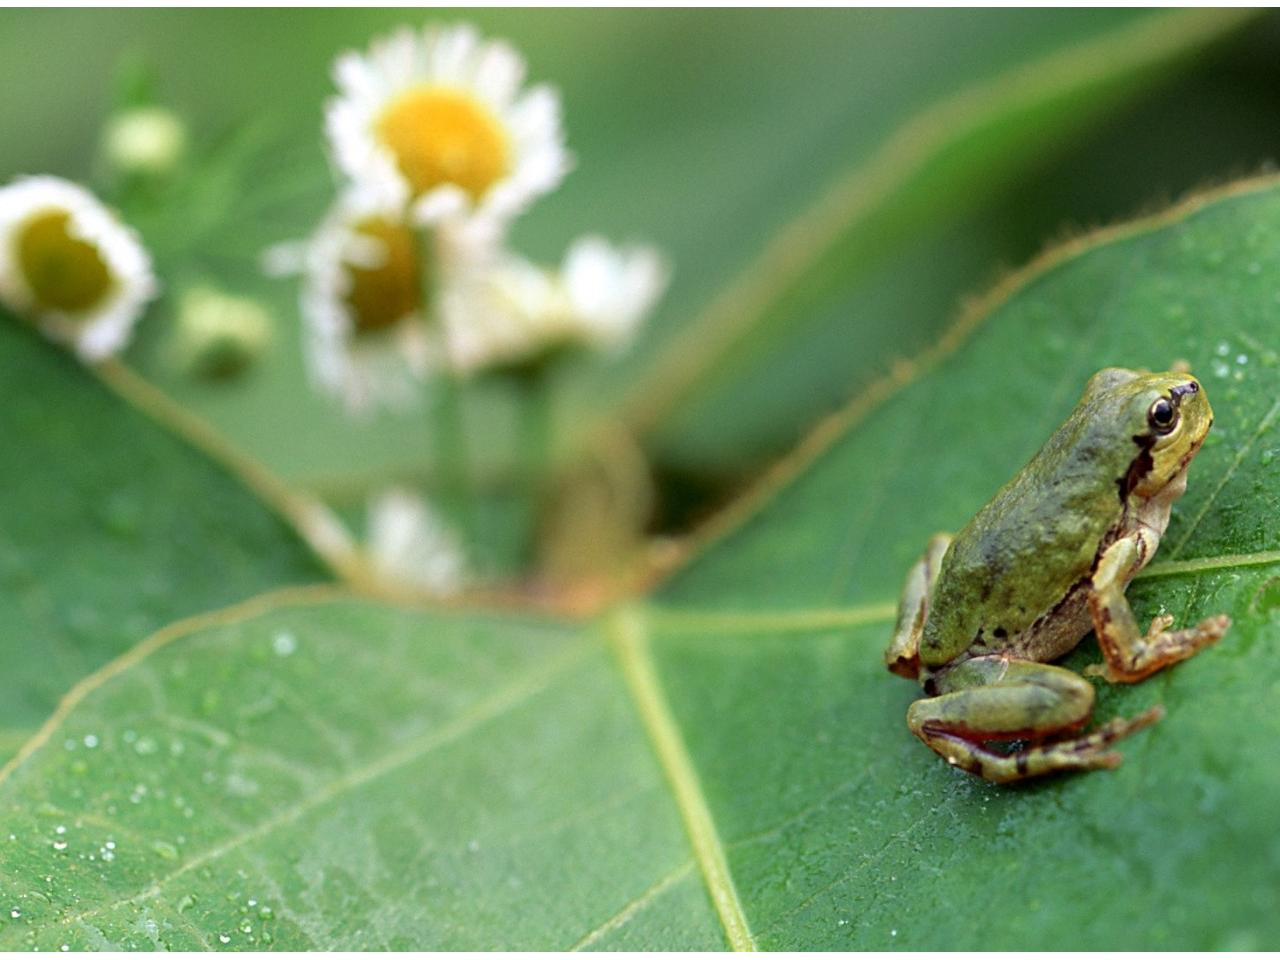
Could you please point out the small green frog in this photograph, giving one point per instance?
(983, 613)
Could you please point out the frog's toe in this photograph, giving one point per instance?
(1121, 727)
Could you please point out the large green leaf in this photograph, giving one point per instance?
(913, 216)
(109, 528)
(726, 762)
(841, 829)
(339, 775)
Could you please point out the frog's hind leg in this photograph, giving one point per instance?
(1000, 699)
(903, 654)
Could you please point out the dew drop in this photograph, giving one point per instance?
(166, 850)
(1223, 348)
(65, 947)
(223, 938)
(246, 927)
(284, 643)
(60, 829)
(90, 740)
(15, 913)
(59, 845)
(238, 785)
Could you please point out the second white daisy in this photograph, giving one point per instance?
(439, 119)
(68, 264)
(514, 312)
(366, 334)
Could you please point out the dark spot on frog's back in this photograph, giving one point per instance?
(1000, 633)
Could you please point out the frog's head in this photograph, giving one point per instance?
(1167, 415)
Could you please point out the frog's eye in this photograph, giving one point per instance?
(1163, 416)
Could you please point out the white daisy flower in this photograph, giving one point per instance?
(68, 264)
(439, 119)
(366, 335)
(410, 544)
(513, 311)
(609, 290)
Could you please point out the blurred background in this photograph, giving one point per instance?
(828, 185)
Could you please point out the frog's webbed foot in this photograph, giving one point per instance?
(995, 699)
(903, 654)
(1142, 656)
(1130, 655)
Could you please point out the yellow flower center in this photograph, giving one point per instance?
(383, 295)
(63, 272)
(440, 136)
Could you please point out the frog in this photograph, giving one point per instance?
(984, 613)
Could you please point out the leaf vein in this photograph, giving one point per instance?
(1263, 425)
(628, 912)
(631, 644)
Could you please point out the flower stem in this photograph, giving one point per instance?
(452, 454)
(534, 397)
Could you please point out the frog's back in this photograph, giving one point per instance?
(1022, 554)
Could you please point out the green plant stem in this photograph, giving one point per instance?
(450, 449)
(533, 396)
(452, 455)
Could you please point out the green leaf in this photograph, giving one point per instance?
(868, 268)
(842, 830)
(319, 773)
(109, 528)
(726, 763)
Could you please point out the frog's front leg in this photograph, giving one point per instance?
(995, 698)
(903, 654)
(1131, 656)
